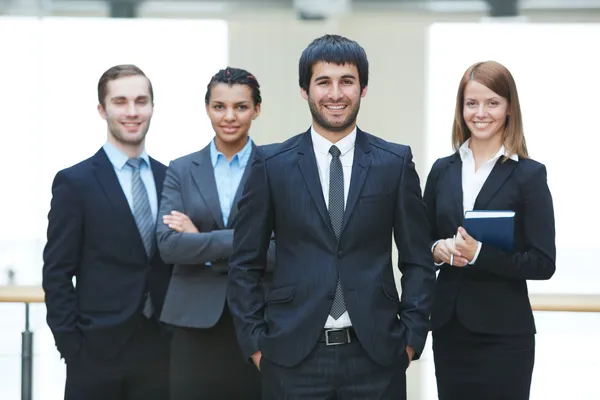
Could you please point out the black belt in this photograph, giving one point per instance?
(333, 337)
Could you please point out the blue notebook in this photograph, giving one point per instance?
(496, 228)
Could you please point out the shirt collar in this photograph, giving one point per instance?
(322, 145)
(118, 159)
(242, 156)
(465, 152)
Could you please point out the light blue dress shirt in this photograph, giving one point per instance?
(124, 172)
(228, 175)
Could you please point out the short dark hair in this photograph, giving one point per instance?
(116, 72)
(333, 49)
(235, 76)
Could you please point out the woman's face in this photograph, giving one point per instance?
(231, 111)
(484, 111)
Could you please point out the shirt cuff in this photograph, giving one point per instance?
(476, 254)
(433, 247)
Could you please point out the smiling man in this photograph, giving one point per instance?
(332, 325)
(101, 230)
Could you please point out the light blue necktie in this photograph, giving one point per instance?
(142, 214)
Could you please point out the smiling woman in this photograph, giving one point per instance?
(484, 111)
(233, 101)
(488, 112)
(198, 208)
(546, 62)
(481, 321)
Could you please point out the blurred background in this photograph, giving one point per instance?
(53, 52)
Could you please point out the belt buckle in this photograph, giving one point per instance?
(328, 343)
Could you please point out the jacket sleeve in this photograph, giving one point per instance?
(538, 260)
(412, 235)
(248, 262)
(62, 256)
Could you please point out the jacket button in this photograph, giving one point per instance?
(340, 254)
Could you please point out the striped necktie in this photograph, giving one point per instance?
(143, 218)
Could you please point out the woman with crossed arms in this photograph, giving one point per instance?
(198, 209)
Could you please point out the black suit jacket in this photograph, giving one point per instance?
(283, 194)
(93, 237)
(491, 296)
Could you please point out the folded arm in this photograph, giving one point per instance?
(187, 247)
(61, 259)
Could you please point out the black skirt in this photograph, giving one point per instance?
(207, 364)
(477, 366)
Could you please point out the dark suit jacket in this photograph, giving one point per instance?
(93, 237)
(284, 194)
(196, 294)
(491, 296)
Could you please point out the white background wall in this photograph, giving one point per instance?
(49, 121)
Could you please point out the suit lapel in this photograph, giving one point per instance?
(105, 173)
(158, 171)
(498, 176)
(310, 173)
(455, 184)
(240, 189)
(360, 167)
(204, 177)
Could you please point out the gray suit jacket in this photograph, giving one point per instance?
(197, 293)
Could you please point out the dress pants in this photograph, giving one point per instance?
(207, 364)
(477, 366)
(138, 372)
(338, 372)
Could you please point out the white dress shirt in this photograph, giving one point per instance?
(321, 147)
(124, 173)
(472, 181)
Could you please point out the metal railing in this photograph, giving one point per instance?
(35, 294)
(565, 302)
(26, 295)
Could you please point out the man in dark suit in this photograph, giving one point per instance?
(101, 231)
(332, 325)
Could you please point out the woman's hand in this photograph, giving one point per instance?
(179, 222)
(442, 251)
(466, 244)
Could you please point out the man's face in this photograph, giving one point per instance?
(334, 97)
(128, 109)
